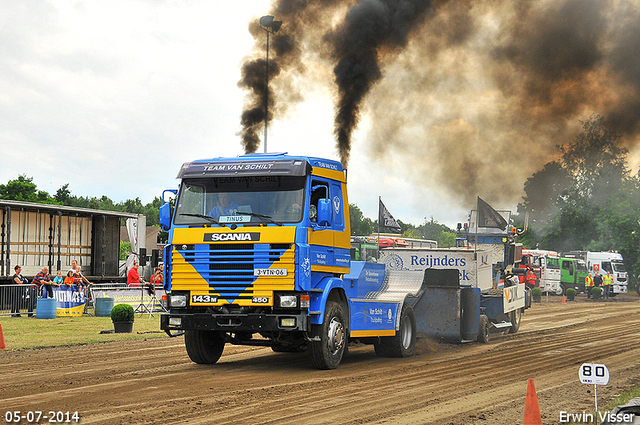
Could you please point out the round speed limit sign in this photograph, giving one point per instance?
(592, 373)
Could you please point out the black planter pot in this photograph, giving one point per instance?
(123, 327)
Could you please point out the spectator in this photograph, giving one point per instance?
(59, 279)
(156, 279)
(70, 279)
(83, 283)
(43, 281)
(597, 279)
(607, 282)
(133, 278)
(18, 293)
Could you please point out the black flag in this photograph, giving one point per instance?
(385, 219)
(488, 217)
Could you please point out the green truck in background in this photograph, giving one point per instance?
(573, 272)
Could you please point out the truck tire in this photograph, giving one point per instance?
(483, 331)
(328, 351)
(403, 344)
(515, 317)
(560, 290)
(204, 347)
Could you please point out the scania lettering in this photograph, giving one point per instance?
(283, 277)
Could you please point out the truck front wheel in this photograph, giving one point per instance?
(403, 343)
(328, 351)
(204, 347)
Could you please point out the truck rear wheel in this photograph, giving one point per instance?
(204, 347)
(483, 332)
(515, 317)
(328, 351)
(403, 344)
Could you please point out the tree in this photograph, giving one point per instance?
(23, 189)
(360, 225)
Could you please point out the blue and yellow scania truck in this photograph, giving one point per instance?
(259, 254)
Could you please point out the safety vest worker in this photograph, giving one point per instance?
(588, 281)
(607, 280)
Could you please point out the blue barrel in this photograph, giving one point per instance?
(46, 308)
(103, 307)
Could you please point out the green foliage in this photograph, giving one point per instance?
(536, 292)
(587, 200)
(122, 313)
(570, 292)
(360, 225)
(596, 291)
(125, 250)
(23, 189)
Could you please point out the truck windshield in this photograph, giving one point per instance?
(581, 266)
(618, 266)
(240, 200)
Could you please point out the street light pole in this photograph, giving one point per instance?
(270, 26)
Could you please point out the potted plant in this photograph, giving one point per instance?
(596, 292)
(536, 294)
(571, 294)
(122, 316)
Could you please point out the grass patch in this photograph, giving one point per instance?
(28, 332)
(618, 400)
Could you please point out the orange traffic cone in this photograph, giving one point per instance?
(564, 299)
(531, 408)
(2, 344)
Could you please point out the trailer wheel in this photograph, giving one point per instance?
(515, 317)
(204, 347)
(483, 332)
(327, 353)
(560, 290)
(403, 344)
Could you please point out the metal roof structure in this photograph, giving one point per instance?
(61, 209)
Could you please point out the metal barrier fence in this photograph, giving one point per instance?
(18, 299)
(22, 299)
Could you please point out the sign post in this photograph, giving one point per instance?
(596, 374)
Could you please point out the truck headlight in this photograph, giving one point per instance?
(178, 300)
(288, 301)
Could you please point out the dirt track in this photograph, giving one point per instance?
(153, 381)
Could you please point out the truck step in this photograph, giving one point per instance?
(501, 325)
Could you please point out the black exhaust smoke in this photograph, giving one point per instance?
(471, 97)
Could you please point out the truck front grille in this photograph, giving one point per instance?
(229, 268)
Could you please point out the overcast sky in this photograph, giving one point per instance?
(112, 97)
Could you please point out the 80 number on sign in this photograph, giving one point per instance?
(593, 373)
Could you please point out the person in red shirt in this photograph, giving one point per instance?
(530, 279)
(133, 278)
(156, 279)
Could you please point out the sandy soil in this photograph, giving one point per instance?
(153, 381)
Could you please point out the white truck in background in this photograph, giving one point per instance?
(603, 262)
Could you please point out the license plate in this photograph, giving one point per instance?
(204, 299)
(269, 272)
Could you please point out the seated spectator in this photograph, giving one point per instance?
(83, 283)
(43, 281)
(70, 280)
(59, 279)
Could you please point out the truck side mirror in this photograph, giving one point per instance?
(324, 212)
(165, 216)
